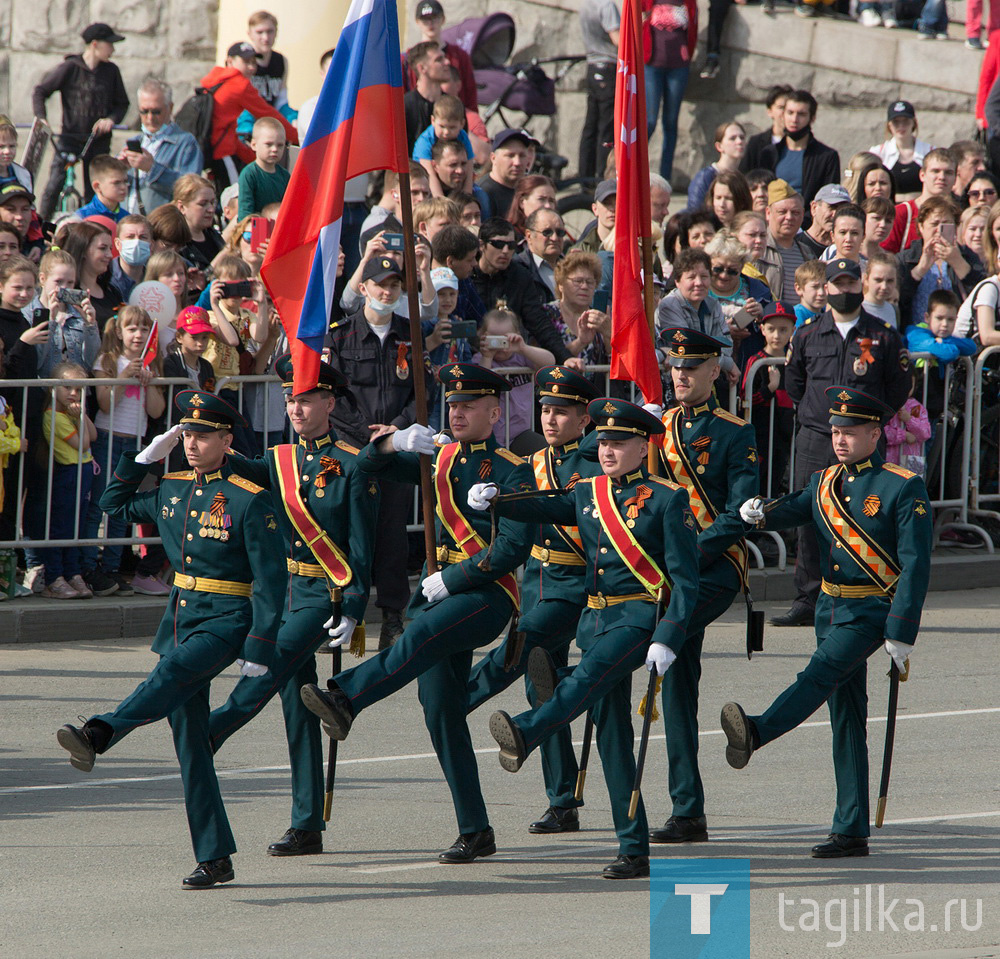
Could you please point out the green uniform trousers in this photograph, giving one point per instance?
(680, 704)
(836, 674)
(436, 648)
(551, 624)
(178, 689)
(602, 682)
(293, 666)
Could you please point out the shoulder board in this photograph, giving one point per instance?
(899, 470)
(346, 447)
(584, 479)
(728, 417)
(888, 326)
(244, 484)
(341, 322)
(663, 481)
(180, 475)
(807, 321)
(509, 456)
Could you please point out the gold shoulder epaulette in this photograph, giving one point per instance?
(244, 484)
(728, 417)
(899, 470)
(509, 456)
(180, 475)
(663, 481)
(347, 447)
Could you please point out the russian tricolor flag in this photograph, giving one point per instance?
(358, 126)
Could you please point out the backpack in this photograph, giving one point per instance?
(195, 117)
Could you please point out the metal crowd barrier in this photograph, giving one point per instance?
(980, 458)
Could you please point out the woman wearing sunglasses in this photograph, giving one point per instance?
(738, 295)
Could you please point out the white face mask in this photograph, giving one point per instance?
(384, 309)
(135, 252)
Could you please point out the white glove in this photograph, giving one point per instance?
(899, 652)
(654, 408)
(160, 446)
(481, 494)
(250, 669)
(659, 658)
(340, 633)
(414, 439)
(752, 511)
(434, 588)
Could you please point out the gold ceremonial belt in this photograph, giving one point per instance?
(600, 600)
(304, 569)
(555, 556)
(851, 592)
(445, 555)
(201, 584)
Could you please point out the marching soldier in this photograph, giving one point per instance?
(326, 509)
(638, 535)
(221, 535)
(553, 591)
(463, 606)
(712, 455)
(873, 522)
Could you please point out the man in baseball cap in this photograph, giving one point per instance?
(819, 235)
(512, 156)
(430, 22)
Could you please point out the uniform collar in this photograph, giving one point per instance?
(872, 462)
(319, 442)
(629, 478)
(484, 446)
(203, 479)
(690, 412)
(567, 448)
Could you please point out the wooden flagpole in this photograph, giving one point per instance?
(417, 354)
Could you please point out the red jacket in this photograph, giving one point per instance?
(235, 95)
(988, 74)
(647, 30)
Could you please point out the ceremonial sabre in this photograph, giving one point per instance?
(647, 721)
(895, 678)
(336, 595)
(581, 776)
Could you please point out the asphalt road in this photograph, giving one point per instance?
(90, 864)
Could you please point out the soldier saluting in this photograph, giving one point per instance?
(638, 536)
(553, 590)
(221, 536)
(873, 523)
(326, 510)
(458, 609)
(711, 454)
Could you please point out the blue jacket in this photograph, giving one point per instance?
(919, 339)
(175, 152)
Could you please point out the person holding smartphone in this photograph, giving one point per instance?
(936, 261)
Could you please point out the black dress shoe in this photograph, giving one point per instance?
(392, 628)
(542, 673)
(297, 842)
(209, 873)
(839, 846)
(470, 846)
(796, 616)
(627, 867)
(681, 829)
(557, 819)
(333, 708)
(510, 740)
(80, 745)
(739, 734)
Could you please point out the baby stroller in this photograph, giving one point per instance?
(523, 87)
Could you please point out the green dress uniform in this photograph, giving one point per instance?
(713, 455)
(873, 523)
(436, 646)
(343, 502)
(553, 591)
(620, 621)
(221, 535)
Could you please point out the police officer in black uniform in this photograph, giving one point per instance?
(844, 346)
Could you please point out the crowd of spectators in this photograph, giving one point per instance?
(755, 256)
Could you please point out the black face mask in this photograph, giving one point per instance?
(845, 303)
(797, 135)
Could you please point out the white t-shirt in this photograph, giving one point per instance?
(844, 328)
(129, 409)
(381, 331)
(986, 293)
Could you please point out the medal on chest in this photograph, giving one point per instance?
(862, 363)
(215, 521)
(402, 366)
(328, 466)
(635, 503)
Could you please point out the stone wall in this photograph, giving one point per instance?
(170, 39)
(853, 72)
